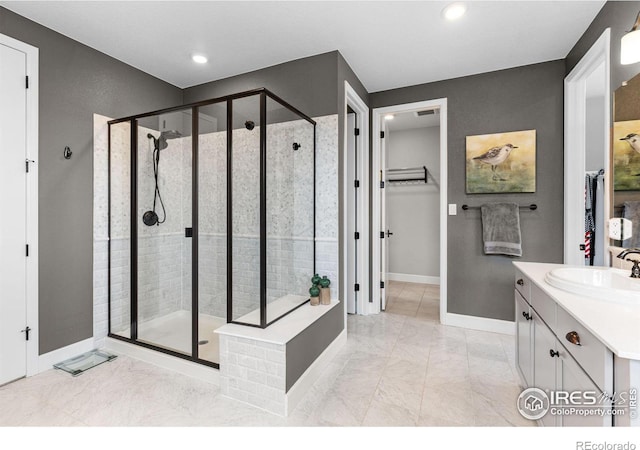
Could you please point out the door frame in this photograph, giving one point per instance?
(353, 100)
(32, 198)
(377, 117)
(575, 107)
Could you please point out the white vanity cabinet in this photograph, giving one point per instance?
(524, 344)
(547, 359)
(545, 349)
(571, 378)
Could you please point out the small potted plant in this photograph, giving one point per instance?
(325, 292)
(314, 292)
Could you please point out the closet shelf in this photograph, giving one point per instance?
(408, 174)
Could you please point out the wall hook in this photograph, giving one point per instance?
(67, 153)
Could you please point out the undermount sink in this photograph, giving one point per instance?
(599, 282)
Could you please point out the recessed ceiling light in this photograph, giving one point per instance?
(454, 11)
(200, 59)
(388, 117)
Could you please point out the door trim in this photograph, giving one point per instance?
(352, 99)
(378, 114)
(32, 198)
(575, 107)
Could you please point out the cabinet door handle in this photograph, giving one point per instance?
(520, 282)
(572, 336)
(526, 315)
(553, 353)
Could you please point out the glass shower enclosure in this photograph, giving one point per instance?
(211, 220)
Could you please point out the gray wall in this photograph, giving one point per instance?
(413, 209)
(529, 97)
(303, 349)
(309, 84)
(75, 82)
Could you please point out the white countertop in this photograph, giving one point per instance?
(284, 329)
(617, 325)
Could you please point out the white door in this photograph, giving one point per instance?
(13, 214)
(384, 254)
(353, 229)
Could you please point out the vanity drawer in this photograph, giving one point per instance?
(591, 354)
(523, 285)
(544, 305)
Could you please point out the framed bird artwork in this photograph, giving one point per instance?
(501, 162)
(626, 155)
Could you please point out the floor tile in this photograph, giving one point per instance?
(382, 414)
(398, 368)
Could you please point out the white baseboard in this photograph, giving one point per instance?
(46, 361)
(409, 278)
(188, 368)
(313, 372)
(480, 323)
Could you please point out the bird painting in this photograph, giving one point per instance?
(511, 155)
(494, 157)
(633, 139)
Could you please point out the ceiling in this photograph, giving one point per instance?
(388, 44)
(410, 120)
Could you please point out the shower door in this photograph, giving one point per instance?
(164, 231)
(210, 219)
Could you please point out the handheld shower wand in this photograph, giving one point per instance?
(151, 218)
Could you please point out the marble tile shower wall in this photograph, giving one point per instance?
(212, 225)
(165, 254)
(327, 202)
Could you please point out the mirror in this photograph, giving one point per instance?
(596, 149)
(625, 159)
(586, 157)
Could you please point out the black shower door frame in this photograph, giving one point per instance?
(133, 121)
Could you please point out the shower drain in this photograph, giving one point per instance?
(202, 342)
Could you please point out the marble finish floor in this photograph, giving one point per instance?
(400, 368)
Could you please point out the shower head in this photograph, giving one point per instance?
(161, 142)
(165, 136)
(170, 134)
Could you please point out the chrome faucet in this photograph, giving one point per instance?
(635, 270)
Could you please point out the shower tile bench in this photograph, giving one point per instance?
(272, 368)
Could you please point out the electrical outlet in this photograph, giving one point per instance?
(620, 229)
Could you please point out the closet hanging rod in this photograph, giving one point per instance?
(532, 207)
(408, 171)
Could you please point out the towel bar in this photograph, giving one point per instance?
(532, 207)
